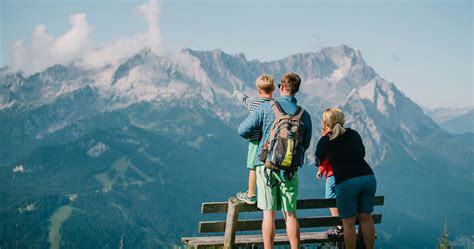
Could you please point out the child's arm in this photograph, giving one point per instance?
(325, 163)
(245, 99)
(322, 168)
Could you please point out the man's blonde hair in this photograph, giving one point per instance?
(334, 119)
(264, 82)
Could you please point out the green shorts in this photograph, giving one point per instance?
(252, 153)
(281, 197)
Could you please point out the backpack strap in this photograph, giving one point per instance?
(297, 117)
(299, 113)
(277, 110)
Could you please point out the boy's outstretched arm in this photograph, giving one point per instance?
(245, 99)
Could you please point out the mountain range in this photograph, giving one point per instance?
(128, 151)
(453, 120)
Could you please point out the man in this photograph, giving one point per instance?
(284, 195)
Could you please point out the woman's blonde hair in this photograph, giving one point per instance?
(334, 119)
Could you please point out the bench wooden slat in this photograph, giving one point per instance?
(221, 207)
(244, 240)
(250, 225)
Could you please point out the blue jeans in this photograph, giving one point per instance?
(330, 188)
(355, 196)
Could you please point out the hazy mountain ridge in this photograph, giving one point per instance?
(453, 120)
(460, 124)
(127, 112)
(443, 114)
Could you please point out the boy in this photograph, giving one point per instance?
(265, 90)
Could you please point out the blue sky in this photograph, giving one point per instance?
(424, 47)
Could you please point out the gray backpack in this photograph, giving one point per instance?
(284, 148)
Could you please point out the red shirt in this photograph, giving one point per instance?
(325, 166)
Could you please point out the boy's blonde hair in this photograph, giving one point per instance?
(334, 119)
(264, 82)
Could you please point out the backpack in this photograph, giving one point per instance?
(284, 148)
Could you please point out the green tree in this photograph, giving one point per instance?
(444, 239)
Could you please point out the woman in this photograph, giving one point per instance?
(355, 180)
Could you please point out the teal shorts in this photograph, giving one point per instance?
(282, 196)
(355, 196)
(251, 154)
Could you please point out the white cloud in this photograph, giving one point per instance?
(151, 13)
(74, 45)
(19, 55)
(46, 50)
(74, 42)
(125, 47)
(39, 52)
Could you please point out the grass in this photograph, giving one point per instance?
(117, 172)
(57, 219)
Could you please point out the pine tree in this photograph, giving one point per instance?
(444, 239)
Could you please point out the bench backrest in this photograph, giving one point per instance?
(250, 225)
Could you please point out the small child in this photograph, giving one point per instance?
(265, 90)
(325, 168)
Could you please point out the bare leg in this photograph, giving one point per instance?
(368, 229)
(268, 229)
(334, 211)
(252, 182)
(350, 236)
(292, 229)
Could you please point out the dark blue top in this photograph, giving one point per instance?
(345, 153)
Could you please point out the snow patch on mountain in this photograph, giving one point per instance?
(6, 103)
(72, 197)
(57, 127)
(28, 208)
(191, 67)
(380, 93)
(97, 150)
(19, 169)
(335, 76)
(342, 70)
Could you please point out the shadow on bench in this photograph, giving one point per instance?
(232, 225)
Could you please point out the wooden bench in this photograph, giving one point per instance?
(231, 225)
